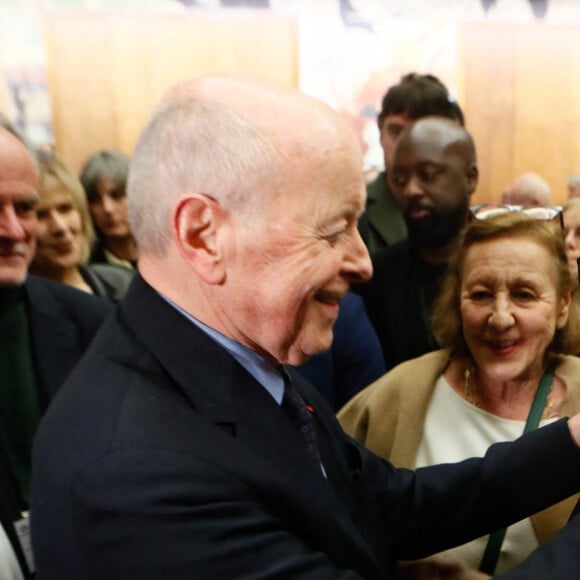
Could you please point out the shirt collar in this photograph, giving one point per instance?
(263, 371)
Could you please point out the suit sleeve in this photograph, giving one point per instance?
(176, 518)
(441, 506)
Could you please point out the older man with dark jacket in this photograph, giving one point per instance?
(45, 328)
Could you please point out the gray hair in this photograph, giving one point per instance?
(190, 145)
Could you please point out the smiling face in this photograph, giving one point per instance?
(510, 307)
(60, 236)
(291, 269)
(18, 199)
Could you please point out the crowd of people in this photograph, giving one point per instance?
(265, 372)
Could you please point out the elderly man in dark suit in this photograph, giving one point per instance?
(44, 330)
(182, 447)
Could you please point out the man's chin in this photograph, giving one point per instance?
(9, 277)
(302, 353)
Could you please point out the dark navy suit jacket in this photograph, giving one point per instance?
(162, 458)
(63, 321)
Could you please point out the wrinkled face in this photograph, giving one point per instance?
(290, 270)
(572, 228)
(110, 209)
(510, 307)
(391, 129)
(432, 184)
(18, 199)
(60, 237)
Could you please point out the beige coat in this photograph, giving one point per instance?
(388, 417)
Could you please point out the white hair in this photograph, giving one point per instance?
(190, 145)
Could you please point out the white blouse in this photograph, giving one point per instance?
(455, 430)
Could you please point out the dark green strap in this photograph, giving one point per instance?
(539, 403)
(495, 541)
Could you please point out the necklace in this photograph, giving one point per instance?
(471, 394)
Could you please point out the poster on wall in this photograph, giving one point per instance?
(350, 51)
(352, 60)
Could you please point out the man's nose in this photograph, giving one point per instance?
(358, 261)
(10, 226)
(413, 188)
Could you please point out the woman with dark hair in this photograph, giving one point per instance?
(104, 179)
(508, 325)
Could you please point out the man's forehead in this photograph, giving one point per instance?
(438, 144)
(18, 174)
(17, 190)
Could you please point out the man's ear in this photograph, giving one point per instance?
(472, 177)
(197, 220)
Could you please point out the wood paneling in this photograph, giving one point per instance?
(106, 71)
(518, 84)
(521, 95)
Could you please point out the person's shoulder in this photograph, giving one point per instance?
(568, 368)
(40, 290)
(431, 362)
(411, 380)
(376, 187)
(108, 280)
(111, 270)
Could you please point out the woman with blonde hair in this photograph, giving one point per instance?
(66, 235)
(508, 324)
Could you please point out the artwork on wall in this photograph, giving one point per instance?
(350, 51)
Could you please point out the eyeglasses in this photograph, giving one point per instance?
(546, 213)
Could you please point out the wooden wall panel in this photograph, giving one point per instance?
(107, 70)
(521, 95)
(487, 100)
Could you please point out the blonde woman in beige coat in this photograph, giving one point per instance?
(506, 318)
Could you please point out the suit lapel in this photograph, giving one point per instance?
(55, 344)
(273, 451)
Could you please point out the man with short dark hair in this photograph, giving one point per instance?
(414, 97)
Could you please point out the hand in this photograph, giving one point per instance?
(437, 568)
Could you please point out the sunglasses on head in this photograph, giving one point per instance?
(546, 213)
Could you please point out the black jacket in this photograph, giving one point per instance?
(162, 458)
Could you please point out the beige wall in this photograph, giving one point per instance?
(520, 91)
(519, 85)
(106, 71)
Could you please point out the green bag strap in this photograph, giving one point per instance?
(495, 541)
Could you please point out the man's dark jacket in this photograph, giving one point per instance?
(62, 322)
(382, 224)
(162, 458)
